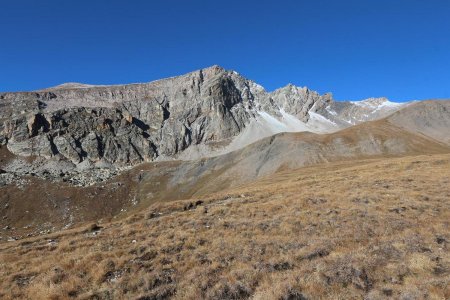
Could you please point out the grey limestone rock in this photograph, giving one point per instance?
(124, 125)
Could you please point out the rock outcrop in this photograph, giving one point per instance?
(130, 123)
(123, 125)
(299, 101)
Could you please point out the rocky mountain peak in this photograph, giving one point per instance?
(74, 125)
(299, 101)
(293, 88)
(374, 101)
(214, 69)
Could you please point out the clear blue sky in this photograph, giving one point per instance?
(354, 49)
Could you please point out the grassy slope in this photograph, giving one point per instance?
(344, 230)
(43, 205)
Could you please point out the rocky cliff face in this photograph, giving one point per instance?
(300, 101)
(82, 127)
(355, 112)
(130, 123)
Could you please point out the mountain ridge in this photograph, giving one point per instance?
(65, 203)
(77, 128)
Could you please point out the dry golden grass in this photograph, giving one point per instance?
(369, 229)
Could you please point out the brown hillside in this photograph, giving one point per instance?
(350, 230)
(38, 205)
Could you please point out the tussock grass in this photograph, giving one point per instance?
(366, 229)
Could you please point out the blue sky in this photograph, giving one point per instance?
(354, 49)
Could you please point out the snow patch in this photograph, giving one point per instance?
(265, 125)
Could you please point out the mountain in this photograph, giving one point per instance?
(429, 118)
(55, 204)
(99, 131)
(79, 152)
(290, 151)
(206, 186)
